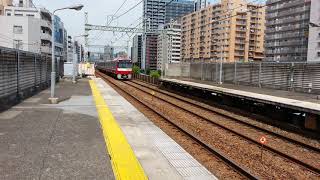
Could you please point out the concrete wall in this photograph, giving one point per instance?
(177, 70)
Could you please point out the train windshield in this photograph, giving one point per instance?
(125, 64)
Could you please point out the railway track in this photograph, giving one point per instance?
(236, 167)
(269, 133)
(226, 115)
(164, 96)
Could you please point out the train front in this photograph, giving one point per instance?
(124, 69)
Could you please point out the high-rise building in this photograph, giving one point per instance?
(232, 30)
(70, 49)
(156, 14)
(291, 30)
(178, 8)
(65, 45)
(108, 53)
(169, 42)
(137, 50)
(200, 4)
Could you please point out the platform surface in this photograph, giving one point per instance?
(160, 156)
(63, 141)
(298, 101)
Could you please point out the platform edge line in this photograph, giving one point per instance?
(125, 164)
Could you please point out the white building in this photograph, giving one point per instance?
(169, 45)
(29, 27)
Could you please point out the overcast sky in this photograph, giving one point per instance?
(98, 11)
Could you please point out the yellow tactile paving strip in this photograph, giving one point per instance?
(124, 162)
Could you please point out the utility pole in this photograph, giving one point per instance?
(86, 39)
(18, 64)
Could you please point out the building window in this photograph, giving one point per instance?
(17, 29)
(18, 14)
(17, 44)
(30, 15)
(8, 14)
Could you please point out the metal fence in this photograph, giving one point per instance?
(300, 77)
(146, 78)
(23, 73)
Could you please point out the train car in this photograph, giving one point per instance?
(120, 68)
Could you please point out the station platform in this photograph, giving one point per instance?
(63, 141)
(92, 133)
(159, 156)
(298, 101)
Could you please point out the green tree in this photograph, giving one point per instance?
(136, 69)
(155, 74)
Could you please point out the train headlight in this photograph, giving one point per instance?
(119, 76)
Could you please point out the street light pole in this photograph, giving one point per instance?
(53, 99)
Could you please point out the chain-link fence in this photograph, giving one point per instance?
(23, 73)
(298, 76)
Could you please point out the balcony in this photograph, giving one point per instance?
(45, 36)
(45, 23)
(45, 49)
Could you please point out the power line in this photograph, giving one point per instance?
(117, 17)
(163, 6)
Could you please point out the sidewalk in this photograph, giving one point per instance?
(63, 141)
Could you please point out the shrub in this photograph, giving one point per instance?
(136, 69)
(154, 74)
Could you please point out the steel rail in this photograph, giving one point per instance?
(297, 161)
(216, 152)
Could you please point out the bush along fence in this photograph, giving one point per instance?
(22, 74)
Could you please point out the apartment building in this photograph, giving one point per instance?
(232, 30)
(30, 29)
(156, 14)
(169, 42)
(292, 30)
(29, 26)
(70, 49)
(108, 52)
(4, 3)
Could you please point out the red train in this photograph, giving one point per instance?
(120, 68)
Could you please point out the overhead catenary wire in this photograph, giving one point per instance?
(143, 19)
(117, 17)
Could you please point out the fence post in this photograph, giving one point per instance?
(235, 72)
(35, 71)
(291, 76)
(201, 71)
(259, 77)
(220, 73)
(18, 73)
(47, 79)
